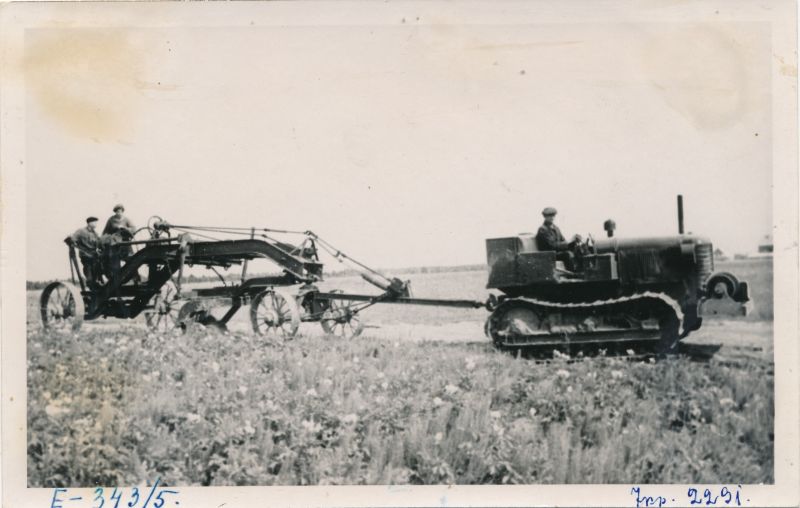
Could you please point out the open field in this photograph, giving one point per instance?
(423, 398)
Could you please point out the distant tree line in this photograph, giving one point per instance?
(236, 277)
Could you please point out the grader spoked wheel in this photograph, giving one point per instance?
(340, 320)
(163, 316)
(274, 315)
(62, 307)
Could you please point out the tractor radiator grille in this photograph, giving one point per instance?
(704, 254)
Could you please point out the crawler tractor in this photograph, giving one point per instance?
(644, 290)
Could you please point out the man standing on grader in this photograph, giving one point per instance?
(97, 256)
(88, 244)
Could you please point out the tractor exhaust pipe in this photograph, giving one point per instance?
(680, 214)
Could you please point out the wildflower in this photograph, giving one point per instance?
(248, 428)
(350, 419)
(438, 437)
(562, 373)
(311, 392)
(451, 389)
(616, 374)
(381, 375)
(243, 389)
(437, 402)
(569, 389)
(532, 412)
(630, 352)
(309, 426)
(470, 364)
(55, 410)
(327, 383)
(495, 414)
(215, 366)
(384, 385)
(192, 417)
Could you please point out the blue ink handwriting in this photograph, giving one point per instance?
(157, 497)
(724, 496)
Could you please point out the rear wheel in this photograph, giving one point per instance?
(165, 306)
(61, 306)
(274, 315)
(510, 321)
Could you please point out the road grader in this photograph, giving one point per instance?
(650, 291)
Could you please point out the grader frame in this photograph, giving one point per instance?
(160, 294)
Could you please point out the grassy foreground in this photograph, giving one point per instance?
(113, 408)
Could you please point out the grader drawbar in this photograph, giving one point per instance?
(151, 281)
(650, 291)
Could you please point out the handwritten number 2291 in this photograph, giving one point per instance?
(724, 493)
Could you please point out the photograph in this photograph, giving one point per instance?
(400, 253)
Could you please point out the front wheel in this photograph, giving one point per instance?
(62, 307)
(340, 320)
(274, 315)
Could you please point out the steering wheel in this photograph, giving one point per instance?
(578, 246)
(590, 244)
(152, 227)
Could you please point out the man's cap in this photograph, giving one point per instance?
(119, 206)
(91, 219)
(549, 211)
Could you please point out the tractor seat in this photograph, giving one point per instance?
(528, 242)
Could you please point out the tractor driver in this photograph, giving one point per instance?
(549, 237)
(88, 244)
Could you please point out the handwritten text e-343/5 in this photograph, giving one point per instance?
(724, 496)
(118, 498)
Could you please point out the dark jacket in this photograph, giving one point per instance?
(86, 241)
(549, 237)
(113, 225)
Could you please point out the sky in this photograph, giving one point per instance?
(405, 143)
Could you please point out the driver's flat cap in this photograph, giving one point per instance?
(91, 219)
(549, 211)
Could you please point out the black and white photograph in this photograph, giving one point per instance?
(399, 253)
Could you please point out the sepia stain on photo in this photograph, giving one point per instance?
(416, 251)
